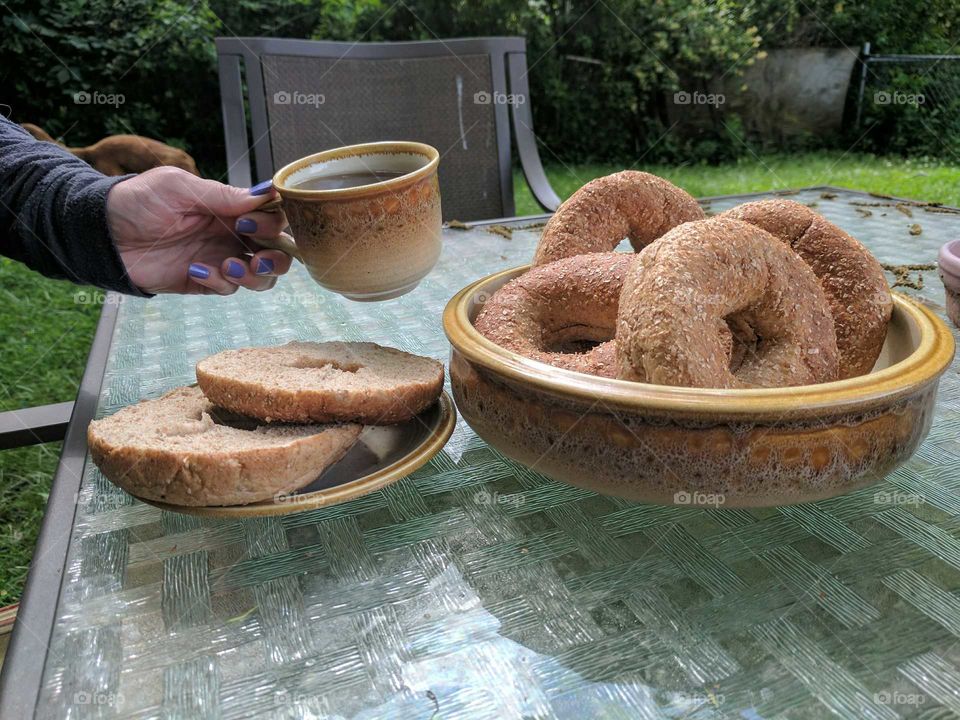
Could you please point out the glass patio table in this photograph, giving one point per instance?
(476, 588)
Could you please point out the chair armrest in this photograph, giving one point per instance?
(34, 425)
(234, 119)
(523, 132)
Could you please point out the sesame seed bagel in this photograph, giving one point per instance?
(550, 312)
(690, 293)
(851, 277)
(181, 449)
(630, 204)
(322, 382)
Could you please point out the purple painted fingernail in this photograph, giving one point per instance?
(261, 188)
(246, 225)
(264, 266)
(235, 269)
(198, 271)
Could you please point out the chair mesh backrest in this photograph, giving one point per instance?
(429, 100)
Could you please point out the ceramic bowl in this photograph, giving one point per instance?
(698, 446)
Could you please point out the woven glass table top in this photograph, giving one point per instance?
(476, 588)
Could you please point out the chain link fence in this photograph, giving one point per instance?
(910, 103)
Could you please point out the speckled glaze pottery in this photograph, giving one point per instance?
(690, 446)
(371, 242)
(949, 262)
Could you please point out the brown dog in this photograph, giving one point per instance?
(122, 154)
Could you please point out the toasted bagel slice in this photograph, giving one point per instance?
(322, 382)
(183, 450)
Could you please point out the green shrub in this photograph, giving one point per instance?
(154, 56)
(601, 74)
(891, 26)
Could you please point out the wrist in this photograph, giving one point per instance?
(121, 222)
(124, 227)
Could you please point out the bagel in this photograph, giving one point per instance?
(850, 276)
(551, 312)
(702, 286)
(631, 204)
(322, 382)
(181, 449)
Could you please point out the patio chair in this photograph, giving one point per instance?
(461, 96)
(34, 425)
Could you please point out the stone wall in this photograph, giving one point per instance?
(788, 93)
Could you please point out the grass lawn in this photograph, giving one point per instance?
(46, 335)
(47, 332)
(919, 180)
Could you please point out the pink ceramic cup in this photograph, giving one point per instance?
(949, 260)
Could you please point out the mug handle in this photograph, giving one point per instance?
(283, 242)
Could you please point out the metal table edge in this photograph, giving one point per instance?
(739, 196)
(505, 220)
(823, 188)
(26, 656)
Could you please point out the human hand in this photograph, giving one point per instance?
(177, 233)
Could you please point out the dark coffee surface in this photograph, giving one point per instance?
(340, 181)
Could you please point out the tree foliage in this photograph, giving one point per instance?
(601, 71)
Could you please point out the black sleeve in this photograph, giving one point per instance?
(53, 213)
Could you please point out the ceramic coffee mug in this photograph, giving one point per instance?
(371, 241)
